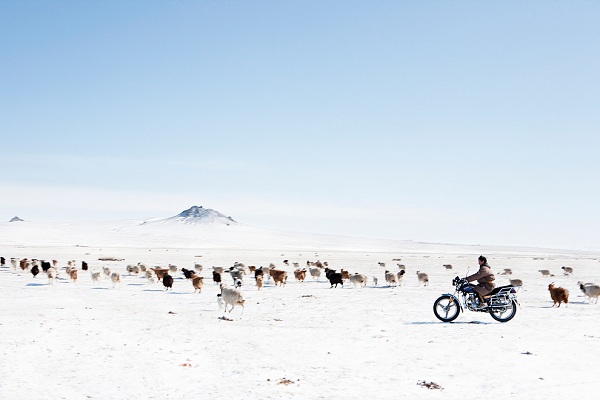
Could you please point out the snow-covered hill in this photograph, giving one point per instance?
(196, 215)
(204, 228)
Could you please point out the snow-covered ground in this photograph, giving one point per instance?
(305, 341)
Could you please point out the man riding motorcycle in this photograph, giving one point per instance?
(484, 277)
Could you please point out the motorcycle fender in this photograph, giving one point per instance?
(455, 299)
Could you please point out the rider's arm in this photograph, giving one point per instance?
(479, 274)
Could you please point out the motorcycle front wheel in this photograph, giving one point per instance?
(446, 308)
(504, 314)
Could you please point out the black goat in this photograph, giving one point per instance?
(167, 281)
(187, 273)
(335, 278)
(46, 266)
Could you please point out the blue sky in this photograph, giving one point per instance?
(445, 121)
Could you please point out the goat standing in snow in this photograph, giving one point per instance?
(232, 297)
(558, 294)
(359, 279)
(590, 291)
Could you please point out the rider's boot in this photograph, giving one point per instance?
(481, 300)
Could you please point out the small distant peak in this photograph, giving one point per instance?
(199, 214)
(16, 219)
(193, 212)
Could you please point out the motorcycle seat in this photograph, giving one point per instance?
(496, 290)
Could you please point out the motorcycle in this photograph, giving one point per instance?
(501, 304)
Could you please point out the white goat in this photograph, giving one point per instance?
(267, 272)
(391, 278)
(359, 279)
(232, 297)
(423, 278)
(115, 277)
(400, 276)
(52, 274)
(96, 276)
(150, 276)
(218, 270)
(237, 274)
(590, 291)
(315, 272)
(568, 270)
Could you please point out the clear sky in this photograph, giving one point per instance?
(444, 121)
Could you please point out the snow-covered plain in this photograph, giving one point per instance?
(305, 341)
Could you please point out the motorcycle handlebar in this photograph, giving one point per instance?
(458, 280)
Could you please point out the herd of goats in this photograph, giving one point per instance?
(237, 273)
(232, 296)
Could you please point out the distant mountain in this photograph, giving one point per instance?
(16, 219)
(202, 228)
(198, 215)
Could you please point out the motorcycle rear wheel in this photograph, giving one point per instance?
(505, 314)
(446, 308)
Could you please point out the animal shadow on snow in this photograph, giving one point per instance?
(453, 323)
(165, 291)
(37, 284)
(563, 305)
(99, 288)
(382, 287)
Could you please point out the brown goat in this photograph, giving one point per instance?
(558, 294)
(300, 274)
(279, 276)
(197, 282)
(516, 282)
(345, 274)
(160, 272)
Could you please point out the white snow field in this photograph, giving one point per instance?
(85, 340)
